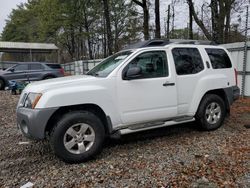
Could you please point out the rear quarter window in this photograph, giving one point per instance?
(54, 66)
(36, 67)
(219, 58)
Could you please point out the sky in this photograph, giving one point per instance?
(6, 8)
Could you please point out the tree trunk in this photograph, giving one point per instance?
(86, 25)
(72, 36)
(228, 6)
(191, 36)
(157, 20)
(144, 6)
(173, 19)
(108, 26)
(168, 23)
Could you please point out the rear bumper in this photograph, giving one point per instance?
(232, 93)
(236, 92)
(32, 122)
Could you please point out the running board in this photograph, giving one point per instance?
(153, 125)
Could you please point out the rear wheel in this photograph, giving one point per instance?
(77, 137)
(211, 112)
(2, 84)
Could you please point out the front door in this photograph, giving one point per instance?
(152, 96)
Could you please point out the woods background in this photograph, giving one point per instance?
(92, 29)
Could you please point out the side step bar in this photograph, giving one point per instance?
(152, 125)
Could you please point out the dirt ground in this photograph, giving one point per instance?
(177, 156)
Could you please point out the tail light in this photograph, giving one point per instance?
(236, 77)
(62, 71)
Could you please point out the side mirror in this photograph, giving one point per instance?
(11, 70)
(133, 73)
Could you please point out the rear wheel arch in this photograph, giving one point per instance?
(93, 108)
(212, 110)
(222, 94)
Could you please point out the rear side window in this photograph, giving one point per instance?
(54, 66)
(187, 61)
(219, 58)
(36, 67)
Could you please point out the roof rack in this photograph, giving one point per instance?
(164, 42)
(196, 42)
(148, 43)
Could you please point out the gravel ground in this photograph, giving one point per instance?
(177, 156)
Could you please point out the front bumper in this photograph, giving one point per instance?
(32, 122)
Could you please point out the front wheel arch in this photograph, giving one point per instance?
(77, 139)
(95, 109)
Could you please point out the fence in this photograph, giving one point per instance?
(80, 67)
(237, 52)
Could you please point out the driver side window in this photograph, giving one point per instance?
(153, 64)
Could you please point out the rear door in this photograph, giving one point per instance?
(189, 68)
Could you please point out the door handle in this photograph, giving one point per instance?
(168, 84)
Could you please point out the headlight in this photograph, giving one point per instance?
(31, 100)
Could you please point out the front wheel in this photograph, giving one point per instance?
(211, 112)
(77, 137)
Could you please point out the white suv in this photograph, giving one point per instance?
(154, 85)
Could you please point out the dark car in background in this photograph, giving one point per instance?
(30, 71)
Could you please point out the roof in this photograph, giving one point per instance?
(27, 47)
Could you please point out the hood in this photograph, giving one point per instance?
(55, 83)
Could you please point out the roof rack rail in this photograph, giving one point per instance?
(148, 43)
(164, 42)
(196, 42)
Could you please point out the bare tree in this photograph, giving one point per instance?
(220, 18)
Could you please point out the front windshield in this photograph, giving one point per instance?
(109, 64)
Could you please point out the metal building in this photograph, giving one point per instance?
(237, 51)
(30, 50)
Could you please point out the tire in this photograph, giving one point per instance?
(71, 147)
(2, 84)
(211, 112)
